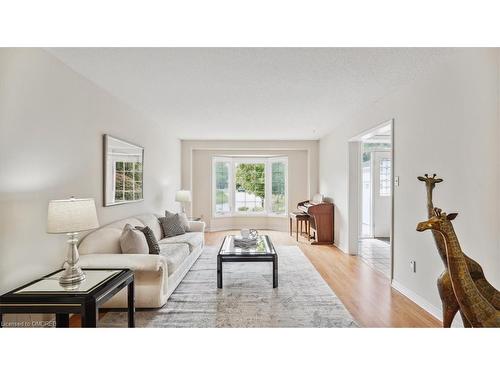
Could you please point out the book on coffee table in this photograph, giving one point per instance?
(244, 243)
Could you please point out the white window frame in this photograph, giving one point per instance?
(230, 178)
(269, 186)
(232, 186)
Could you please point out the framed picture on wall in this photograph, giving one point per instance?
(123, 171)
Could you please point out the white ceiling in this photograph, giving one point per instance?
(250, 93)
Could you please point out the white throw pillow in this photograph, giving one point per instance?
(133, 241)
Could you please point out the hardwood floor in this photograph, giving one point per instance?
(366, 293)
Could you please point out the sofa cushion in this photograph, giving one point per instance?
(193, 239)
(151, 220)
(106, 239)
(175, 254)
(133, 241)
(182, 219)
(102, 241)
(153, 246)
(172, 225)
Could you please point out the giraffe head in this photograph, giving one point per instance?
(437, 221)
(430, 182)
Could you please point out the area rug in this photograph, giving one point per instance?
(302, 299)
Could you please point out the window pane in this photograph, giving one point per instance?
(250, 187)
(385, 177)
(222, 188)
(119, 166)
(118, 196)
(119, 178)
(278, 189)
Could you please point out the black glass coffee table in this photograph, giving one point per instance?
(263, 251)
(46, 295)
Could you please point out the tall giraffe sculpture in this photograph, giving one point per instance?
(474, 306)
(448, 299)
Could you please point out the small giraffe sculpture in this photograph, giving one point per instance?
(476, 309)
(448, 299)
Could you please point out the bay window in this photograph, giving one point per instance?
(250, 186)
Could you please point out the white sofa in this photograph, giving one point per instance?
(156, 276)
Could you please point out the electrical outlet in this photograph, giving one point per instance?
(396, 181)
(413, 266)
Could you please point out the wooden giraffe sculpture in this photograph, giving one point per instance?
(476, 309)
(448, 299)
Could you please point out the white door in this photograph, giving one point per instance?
(366, 197)
(382, 191)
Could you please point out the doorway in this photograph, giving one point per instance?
(371, 165)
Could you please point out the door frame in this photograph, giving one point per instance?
(354, 191)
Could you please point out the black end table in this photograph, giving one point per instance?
(263, 251)
(46, 295)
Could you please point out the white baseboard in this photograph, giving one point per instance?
(279, 228)
(419, 300)
(340, 247)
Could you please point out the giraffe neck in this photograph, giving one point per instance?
(430, 205)
(471, 302)
(438, 239)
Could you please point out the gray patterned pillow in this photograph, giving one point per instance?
(154, 248)
(182, 217)
(172, 225)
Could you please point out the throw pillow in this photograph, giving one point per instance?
(153, 246)
(133, 241)
(183, 218)
(172, 225)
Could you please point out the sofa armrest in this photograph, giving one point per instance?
(196, 226)
(136, 262)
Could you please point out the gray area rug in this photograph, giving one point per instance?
(302, 299)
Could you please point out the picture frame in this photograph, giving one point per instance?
(123, 179)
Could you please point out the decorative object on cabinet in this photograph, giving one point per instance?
(71, 216)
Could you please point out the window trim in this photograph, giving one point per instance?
(267, 161)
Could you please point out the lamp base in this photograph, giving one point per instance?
(72, 274)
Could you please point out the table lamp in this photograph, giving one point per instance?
(71, 216)
(183, 196)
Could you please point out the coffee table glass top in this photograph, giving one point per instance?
(263, 247)
(50, 284)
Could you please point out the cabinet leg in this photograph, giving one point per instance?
(89, 315)
(275, 272)
(219, 272)
(62, 320)
(131, 305)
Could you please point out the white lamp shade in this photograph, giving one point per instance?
(183, 196)
(71, 215)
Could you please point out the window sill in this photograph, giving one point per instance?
(256, 215)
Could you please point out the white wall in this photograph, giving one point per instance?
(446, 122)
(197, 157)
(51, 126)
